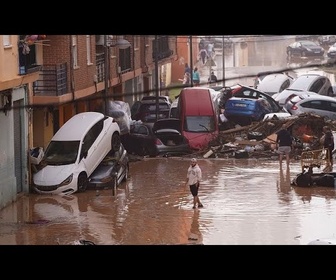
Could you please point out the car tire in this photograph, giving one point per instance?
(82, 182)
(115, 142)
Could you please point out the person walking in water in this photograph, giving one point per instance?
(328, 143)
(194, 177)
(284, 143)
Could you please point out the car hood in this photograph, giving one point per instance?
(53, 174)
(102, 171)
(171, 124)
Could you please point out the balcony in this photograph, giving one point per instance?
(162, 46)
(52, 81)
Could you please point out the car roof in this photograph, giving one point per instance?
(77, 126)
(304, 81)
(272, 82)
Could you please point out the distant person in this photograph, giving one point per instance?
(196, 77)
(186, 79)
(187, 68)
(328, 142)
(203, 55)
(210, 50)
(284, 143)
(212, 78)
(194, 177)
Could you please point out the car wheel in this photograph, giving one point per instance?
(82, 182)
(115, 142)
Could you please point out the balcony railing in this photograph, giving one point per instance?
(163, 50)
(52, 80)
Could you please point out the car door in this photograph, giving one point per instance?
(322, 108)
(142, 140)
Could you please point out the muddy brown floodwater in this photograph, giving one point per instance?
(246, 202)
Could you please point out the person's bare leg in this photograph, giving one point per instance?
(287, 159)
(199, 202)
(280, 159)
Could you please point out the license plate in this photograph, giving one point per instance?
(240, 105)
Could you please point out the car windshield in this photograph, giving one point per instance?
(309, 44)
(61, 152)
(199, 124)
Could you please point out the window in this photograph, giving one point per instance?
(6, 39)
(317, 85)
(74, 48)
(88, 50)
(142, 130)
(199, 124)
(333, 107)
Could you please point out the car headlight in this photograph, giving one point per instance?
(67, 181)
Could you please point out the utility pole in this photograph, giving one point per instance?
(106, 74)
(191, 60)
(157, 82)
(223, 60)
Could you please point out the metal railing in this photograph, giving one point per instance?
(52, 80)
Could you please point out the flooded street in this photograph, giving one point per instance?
(246, 202)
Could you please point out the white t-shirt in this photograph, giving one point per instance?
(194, 174)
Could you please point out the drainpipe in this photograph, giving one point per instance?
(72, 80)
(157, 83)
(106, 64)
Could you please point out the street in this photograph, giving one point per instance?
(246, 202)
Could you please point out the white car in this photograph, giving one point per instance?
(274, 83)
(331, 53)
(305, 83)
(324, 106)
(75, 151)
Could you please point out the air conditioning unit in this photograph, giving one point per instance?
(100, 40)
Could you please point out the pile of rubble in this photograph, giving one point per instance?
(258, 139)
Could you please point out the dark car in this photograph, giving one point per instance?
(304, 48)
(248, 105)
(161, 138)
(112, 171)
(147, 111)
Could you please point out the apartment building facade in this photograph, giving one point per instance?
(46, 79)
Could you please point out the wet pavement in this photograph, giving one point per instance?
(246, 202)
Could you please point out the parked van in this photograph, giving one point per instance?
(199, 113)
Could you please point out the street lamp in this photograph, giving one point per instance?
(109, 42)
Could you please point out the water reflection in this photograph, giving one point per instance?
(195, 235)
(284, 185)
(246, 201)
